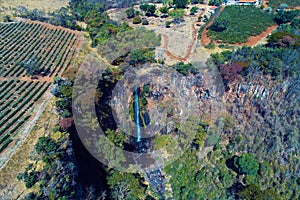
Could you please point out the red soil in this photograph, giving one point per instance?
(252, 40)
(266, 3)
(204, 38)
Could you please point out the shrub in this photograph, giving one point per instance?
(130, 13)
(149, 9)
(29, 178)
(193, 10)
(45, 145)
(137, 57)
(185, 69)
(137, 20)
(296, 23)
(145, 22)
(177, 13)
(7, 18)
(211, 45)
(164, 9)
(180, 3)
(33, 68)
(168, 23)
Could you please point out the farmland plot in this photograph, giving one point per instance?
(52, 48)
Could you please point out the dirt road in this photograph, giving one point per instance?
(190, 47)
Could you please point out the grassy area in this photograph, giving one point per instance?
(237, 23)
(290, 3)
(19, 161)
(45, 5)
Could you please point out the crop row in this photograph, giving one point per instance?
(47, 47)
(14, 107)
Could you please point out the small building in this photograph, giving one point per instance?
(248, 2)
(242, 2)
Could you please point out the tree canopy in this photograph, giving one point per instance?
(246, 164)
(148, 8)
(180, 3)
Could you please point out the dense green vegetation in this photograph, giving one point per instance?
(278, 62)
(277, 3)
(149, 9)
(177, 14)
(215, 2)
(252, 191)
(130, 13)
(237, 23)
(222, 175)
(185, 69)
(207, 178)
(180, 3)
(58, 177)
(33, 69)
(283, 16)
(246, 164)
(126, 185)
(61, 17)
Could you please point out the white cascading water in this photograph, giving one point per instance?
(137, 115)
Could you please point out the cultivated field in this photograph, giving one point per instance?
(17, 98)
(49, 46)
(237, 23)
(53, 48)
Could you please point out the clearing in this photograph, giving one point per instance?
(44, 5)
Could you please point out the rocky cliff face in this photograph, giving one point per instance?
(266, 116)
(173, 97)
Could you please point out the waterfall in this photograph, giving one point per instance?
(137, 115)
(155, 177)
